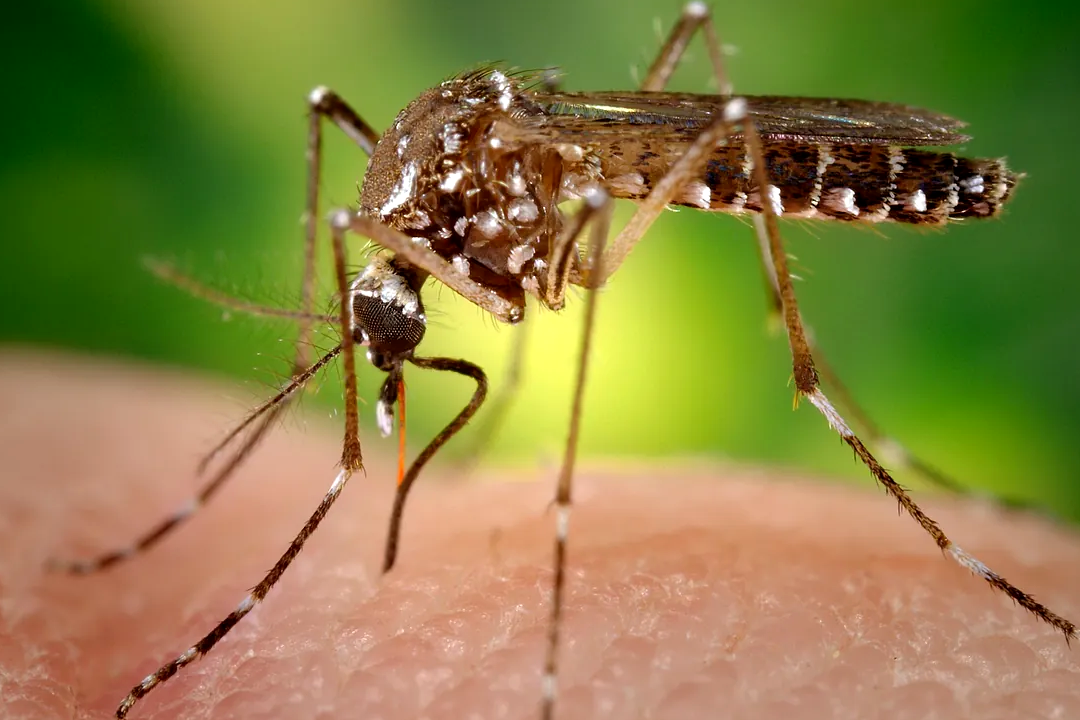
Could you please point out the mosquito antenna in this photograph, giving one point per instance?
(165, 271)
(461, 367)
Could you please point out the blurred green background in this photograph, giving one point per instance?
(177, 130)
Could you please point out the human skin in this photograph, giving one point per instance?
(694, 591)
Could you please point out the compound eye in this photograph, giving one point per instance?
(390, 328)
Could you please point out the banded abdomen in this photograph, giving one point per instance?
(857, 182)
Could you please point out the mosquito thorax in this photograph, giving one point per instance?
(387, 312)
(457, 172)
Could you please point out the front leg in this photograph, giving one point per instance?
(422, 257)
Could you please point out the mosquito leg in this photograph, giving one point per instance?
(685, 169)
(560, 267)
(563, 257)
(322, 104)
(430, 262)
(694, 15)
(264, 416)
(351, 457)
(246, 605)
(892, 448)
(597, 210)
(178, 516)
(600, 205)
(775, 304)
(807, 385)
(258, 423)
(325, 103)
(697, 15)
(783, 301)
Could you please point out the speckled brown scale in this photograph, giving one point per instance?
(859, 182)
(926, 188)
(984, 186)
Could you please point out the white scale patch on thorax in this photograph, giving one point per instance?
(461, 225)
(451, 180)
(460, 264)
(488, 223)
(403, 190)
(518, 256)
(516, 185)
(506, 93)
(452, 138)
(523, 210)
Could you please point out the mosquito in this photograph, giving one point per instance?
(501, 186)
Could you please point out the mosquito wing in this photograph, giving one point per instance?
(811, 120)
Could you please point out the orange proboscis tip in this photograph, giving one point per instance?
(401, 432)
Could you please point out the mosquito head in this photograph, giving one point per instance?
(387, 313)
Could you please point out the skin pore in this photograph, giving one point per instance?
(693, 590)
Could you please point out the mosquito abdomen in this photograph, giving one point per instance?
(853, 183)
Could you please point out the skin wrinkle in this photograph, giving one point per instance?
(693, 591)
